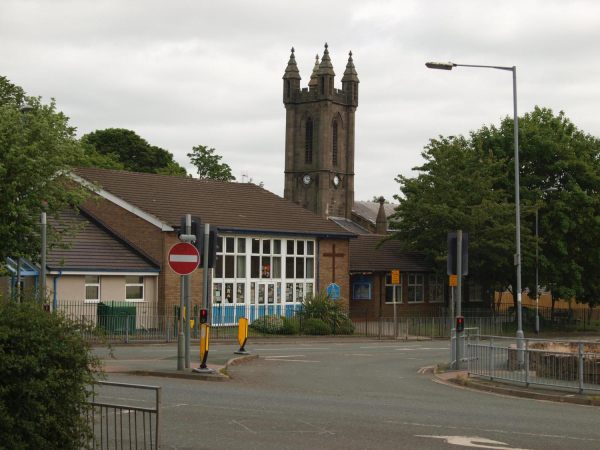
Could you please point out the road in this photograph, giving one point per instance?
(354, 396)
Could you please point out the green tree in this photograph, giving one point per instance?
(36, 150)
(208, 165)
(134, 153)
(46, 368)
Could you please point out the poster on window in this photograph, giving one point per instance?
(239, 296)
(289, 292)
(253, 292)
(361, 289)
(266, 271)
(261, 294)
(279, 292)
(299, 292)
(271, 293)
(228, 292)
(217, 288)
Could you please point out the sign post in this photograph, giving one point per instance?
(183, 259)
(395, 281)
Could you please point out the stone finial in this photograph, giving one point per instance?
(381, 225)
(291, 71)
(313, 78)
(350, 72)
(326, 68)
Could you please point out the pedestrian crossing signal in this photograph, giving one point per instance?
(460, 324)
(204, 316)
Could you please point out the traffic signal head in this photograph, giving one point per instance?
(460, 323)
(204, 316)
(196, 231)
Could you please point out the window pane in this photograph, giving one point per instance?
(310, 248)
(91, 292)
(310, 268)
(241, 245)
(289, 292)
(432, 279)
(271, 293)
(229, 266)
(219, 266)
(299, 267)
(398, 294)
(278, 293)
(277, 267)
(300, 247)
(419, 279)
(309, 289)
(266, 267)
(289, 267)
(389, 294)
(134, 280)
(277, 246)
(253, 292)
(411, 279)
(266, 247)
(230, 245)
(299, 292)
(290, 247)
(241, 267)
(217, 290)
(261, 294)
(419, 294)
(256, 246)
(254, 266)
(240, 291)
(219, 244)
(93, 279)
(134, 292)
(228, 292)
(388, 279)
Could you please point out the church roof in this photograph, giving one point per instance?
(365, 258)
(350, 72)
(369, 210)
(326, 68)
(235, 207)
(110, 251)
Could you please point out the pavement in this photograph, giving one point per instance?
(160, 360)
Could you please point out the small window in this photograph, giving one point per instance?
(290, 247)
(391, 288)
(92, 288)
(335, 143)
(436, 288)
(241, 245)
(266, 247)
(308, 144)
(229, 245)
(415, 288)
(134, 288)
(255, 246)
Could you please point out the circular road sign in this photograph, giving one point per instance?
(183, 258)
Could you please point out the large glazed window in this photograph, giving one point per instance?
(280, 270)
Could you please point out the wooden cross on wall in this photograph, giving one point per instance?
(333, 254)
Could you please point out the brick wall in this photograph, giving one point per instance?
(342, 266)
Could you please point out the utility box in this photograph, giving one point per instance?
(113, 316)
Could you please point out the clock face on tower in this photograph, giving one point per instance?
(306, 179)
(336, 180)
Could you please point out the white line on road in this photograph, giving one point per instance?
(387, 346)
(290, 360)
(465, 441)
(287, 356)
(278, 349)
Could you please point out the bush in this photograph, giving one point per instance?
(343, 324)
(46, 370)
(269, 324)
(315, 327)
(322, 306)
(290, 325)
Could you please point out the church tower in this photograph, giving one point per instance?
(319, 138)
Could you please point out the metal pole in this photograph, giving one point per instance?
(537, 283)
(458, 292)
(520, 335)
(188, 290)
(43, 261)
(395, 317)
(180, 337)
(205, 269)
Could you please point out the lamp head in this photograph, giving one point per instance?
(439, 65)
(26, 108)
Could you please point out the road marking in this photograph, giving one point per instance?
(278, 349)
(287, 356)
(387, 346)
(244, 426)
(290, 360)
(490, 430)
(472, 442)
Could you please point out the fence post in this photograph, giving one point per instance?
(580, 367)
(127, 329)
(432, 327)
(366, 318)
(168, 325)
(158, 419)
(527, 363)
(491, 358)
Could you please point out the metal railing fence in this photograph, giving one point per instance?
(557, 363)
(120, 426)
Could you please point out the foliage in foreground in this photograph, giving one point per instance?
(322, 306)
(46, 370)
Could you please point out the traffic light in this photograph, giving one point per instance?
(452, 247)
(204, 316)
(211, 251)
(460, 324)
(196, 231)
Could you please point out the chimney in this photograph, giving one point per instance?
(382, 226)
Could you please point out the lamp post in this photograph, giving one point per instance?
(537, 283)
(23, 110)
(513, 69)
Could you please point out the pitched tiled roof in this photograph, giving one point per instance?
(364, 257)
(349, 225)
(229, 206)
(369, 210)
(95, 248)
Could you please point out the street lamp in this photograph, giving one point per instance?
(513, 69)
(537, 284)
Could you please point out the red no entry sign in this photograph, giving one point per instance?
(183, 258)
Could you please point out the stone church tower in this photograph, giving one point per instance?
(319, 138)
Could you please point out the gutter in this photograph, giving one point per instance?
(288, 233)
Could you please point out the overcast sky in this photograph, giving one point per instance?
(186, 73)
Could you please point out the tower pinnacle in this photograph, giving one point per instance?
(313, 76)
(291, 71)
(326, 68)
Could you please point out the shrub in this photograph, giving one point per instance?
(343, 324)
(46, 370)
(290, 325)
(315, 327)
(269, 324)
(322, 306)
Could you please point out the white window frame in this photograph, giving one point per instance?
(475, 287)
(86, 284)
(414, 285)
(439, 281)
(142, 284)
(394, 286)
